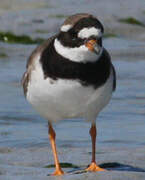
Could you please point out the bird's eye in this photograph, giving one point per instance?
(73, 35)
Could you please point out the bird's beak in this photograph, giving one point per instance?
(93, 46)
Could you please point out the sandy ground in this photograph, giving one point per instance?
(24, 147)
(29, 163)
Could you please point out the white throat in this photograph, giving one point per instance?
(78, 54)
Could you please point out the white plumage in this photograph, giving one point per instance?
(60, 99)
(66, 27)
(88, 32)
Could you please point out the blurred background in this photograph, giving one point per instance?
(24, 146)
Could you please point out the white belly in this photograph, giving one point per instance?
(66, 98)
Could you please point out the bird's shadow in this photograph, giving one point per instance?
(110, 166)
(114, 166)
(121, 167)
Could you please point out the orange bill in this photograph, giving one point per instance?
(90, 44)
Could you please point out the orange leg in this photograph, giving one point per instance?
(52, 135)
(93, 166)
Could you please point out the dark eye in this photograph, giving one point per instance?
(73, 35)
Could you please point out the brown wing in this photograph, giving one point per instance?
(30, 63)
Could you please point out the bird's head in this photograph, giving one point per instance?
(80, 38)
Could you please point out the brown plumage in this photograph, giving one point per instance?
(30, 63)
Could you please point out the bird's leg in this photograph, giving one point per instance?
(52, 135)
(93, 166)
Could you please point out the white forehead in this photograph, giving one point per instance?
(87, 32)
(66, 27)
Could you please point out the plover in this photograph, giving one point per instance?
(71, 76)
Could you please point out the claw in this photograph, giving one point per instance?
(58, 173)
(94, 167)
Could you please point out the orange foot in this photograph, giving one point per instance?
(58, 173)
(93, 167)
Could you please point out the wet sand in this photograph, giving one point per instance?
(24, 145)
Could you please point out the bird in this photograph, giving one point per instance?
(71, 76)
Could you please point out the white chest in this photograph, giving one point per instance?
(60, 99)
